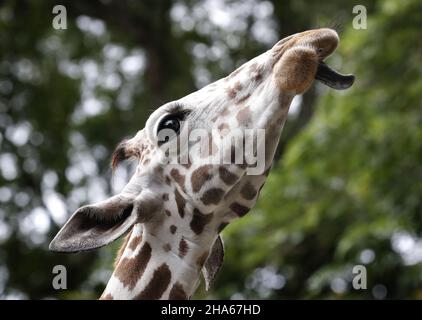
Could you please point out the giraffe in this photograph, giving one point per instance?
(171, 211)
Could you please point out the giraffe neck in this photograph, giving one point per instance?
(150, 268)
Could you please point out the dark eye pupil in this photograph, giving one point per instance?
(172, 124)
(168, 127)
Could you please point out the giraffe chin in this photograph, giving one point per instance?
(332, 78)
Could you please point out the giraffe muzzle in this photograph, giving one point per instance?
(332, 78)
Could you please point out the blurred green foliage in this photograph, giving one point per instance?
(346, 187)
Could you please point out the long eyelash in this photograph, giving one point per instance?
(177, 109)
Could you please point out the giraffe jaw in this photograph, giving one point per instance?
(332, 78)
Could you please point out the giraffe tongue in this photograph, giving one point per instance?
(332, 78)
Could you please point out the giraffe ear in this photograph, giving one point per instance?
(94, 226)
(213, 263)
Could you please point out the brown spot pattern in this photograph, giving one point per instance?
(232, 91)
(227, 176)
(167, 247)
(173, 229)
(239, 209)
(135, 242)
(199, 221)
(158, 284)
(212, 196)
(248, 191)
(199, 177)
(178, 177)
(258, 77)
(180, 202)
(165, 196)
(177, 292)
(130, 270)
(183, 248)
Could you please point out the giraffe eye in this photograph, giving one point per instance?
(170, 122)
(168, 127)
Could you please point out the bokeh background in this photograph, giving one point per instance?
(346, 188)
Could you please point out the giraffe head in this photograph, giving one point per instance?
(203, 159)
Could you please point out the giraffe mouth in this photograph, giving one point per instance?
(332, 78)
